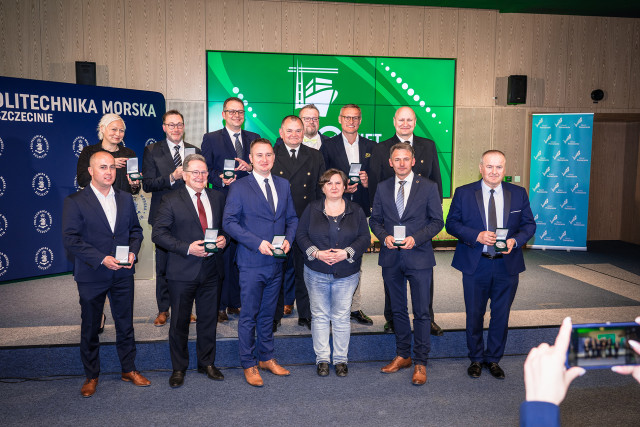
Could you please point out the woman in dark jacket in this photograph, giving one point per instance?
(333, 233)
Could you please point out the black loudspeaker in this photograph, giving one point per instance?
(517, 90)
(86, 73)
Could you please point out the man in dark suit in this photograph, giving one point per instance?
(161, 173)
(413, 202)
(192, 272)
(427, 165)
(340, 152)
(230, 142)
(259, 207)
(302, 167)
(310, 116)
(477, 209)
(95, 221)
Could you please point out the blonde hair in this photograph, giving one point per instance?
(106, 120)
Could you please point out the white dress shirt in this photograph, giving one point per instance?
(260, 180)
(407, 188)
(205, 203)
(233, 138)
(353, 150)
(108, 204)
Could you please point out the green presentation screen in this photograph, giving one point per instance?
(275, 85)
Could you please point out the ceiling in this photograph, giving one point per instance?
(619, 8)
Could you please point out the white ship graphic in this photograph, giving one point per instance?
(318, 91)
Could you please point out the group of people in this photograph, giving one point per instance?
(289, 223)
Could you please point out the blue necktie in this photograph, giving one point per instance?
(267, 187)
(400, 199)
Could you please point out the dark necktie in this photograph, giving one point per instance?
(238, 145)
(202, 214)
(267, 187)
(400, 199)
(492, 221)
(293, 153)
(176, 157)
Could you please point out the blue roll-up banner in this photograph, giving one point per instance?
(559, 180)
(43, 128)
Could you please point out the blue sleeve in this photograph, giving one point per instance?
(539, 414)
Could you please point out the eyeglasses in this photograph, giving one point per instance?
(173, 126)
(198, 174)
(351, 118)
(310, 119)
(234, 112)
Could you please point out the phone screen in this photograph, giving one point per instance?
(602, 345)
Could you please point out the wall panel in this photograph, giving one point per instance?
(472, 138)
(634, 84)
(20, 39)
(263, 27)
(406, 32)
(62, 39)
(615, 62)
(104, 41)
(440, 32)
(582, 60)
(224, 29)
(476, 58)
(371, 30)
(186, 74)
(549, 61)
(509, 136)
(514, 44)
(145, 42)
(299, 27)
(335, 28)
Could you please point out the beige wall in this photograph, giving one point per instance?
(160, 45)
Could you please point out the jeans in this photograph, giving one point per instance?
(330, 300)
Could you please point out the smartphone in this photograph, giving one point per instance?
(603, 345)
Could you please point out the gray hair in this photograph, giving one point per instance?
(106, 120)
(190, 158)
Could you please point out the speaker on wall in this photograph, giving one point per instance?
(517, 90)
(86, 73)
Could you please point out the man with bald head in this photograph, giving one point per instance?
(427, 166)
(96, 221)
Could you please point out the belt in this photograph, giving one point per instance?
(487, 255)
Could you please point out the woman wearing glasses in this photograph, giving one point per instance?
(111, 134)
(333, 233)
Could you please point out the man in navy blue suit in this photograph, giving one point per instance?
(413, 202)
(259, 207)
(340, 152)
(230, 142)
(95, 221)
(477, 210)
(161, 173)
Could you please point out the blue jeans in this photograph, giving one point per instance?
(330, 300)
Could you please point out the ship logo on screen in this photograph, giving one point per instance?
(316, 90)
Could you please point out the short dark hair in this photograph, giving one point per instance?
(326, 177)
(402, 146)
(232, 98)
(291, 117)
(171, 113)
(260, 141)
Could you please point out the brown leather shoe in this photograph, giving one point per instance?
(288, 309)
(273, 367)
(136, 378)
(193, 318)
(396, 364)
(253, 376)
(89, 387)
(233, 310)
(161, 320)
(419, 375)
(222, 316)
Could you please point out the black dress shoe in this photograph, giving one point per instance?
(436, 330)
(212, 372)
(276, 324)
(304, 322)
(495, 370)
(102, 320)
(474, 370)
(323, 369)
(361, 318)
(341, 369)
(388, 327)
(176, 379)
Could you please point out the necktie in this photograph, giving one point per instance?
(400, 199)
(176, 157)
(407, 142)
(267, 187)
(202, 214)
(492, 221)
(293, 153)
(238, 145)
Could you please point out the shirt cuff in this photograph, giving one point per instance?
(351, 254)
(310, 251)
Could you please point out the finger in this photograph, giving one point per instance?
(635, 345)
(562, 340)
(624, 370)
(572, 374)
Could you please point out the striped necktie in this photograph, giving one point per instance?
(238, 145)
(177, 160)
(400, 199)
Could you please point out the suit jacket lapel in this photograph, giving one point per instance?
(393, 209)
(412, 193)
(166, 155)
(301, 158)
(342, 155)
(184, 194)
(259, 194)
(506, 195)
(480, 202)
(245, 146)
(93, 201)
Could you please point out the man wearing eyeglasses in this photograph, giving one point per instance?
(192, 273)
(340, 152)
(427, 165)
(161, 173)
(310, 117)
(230, 142)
